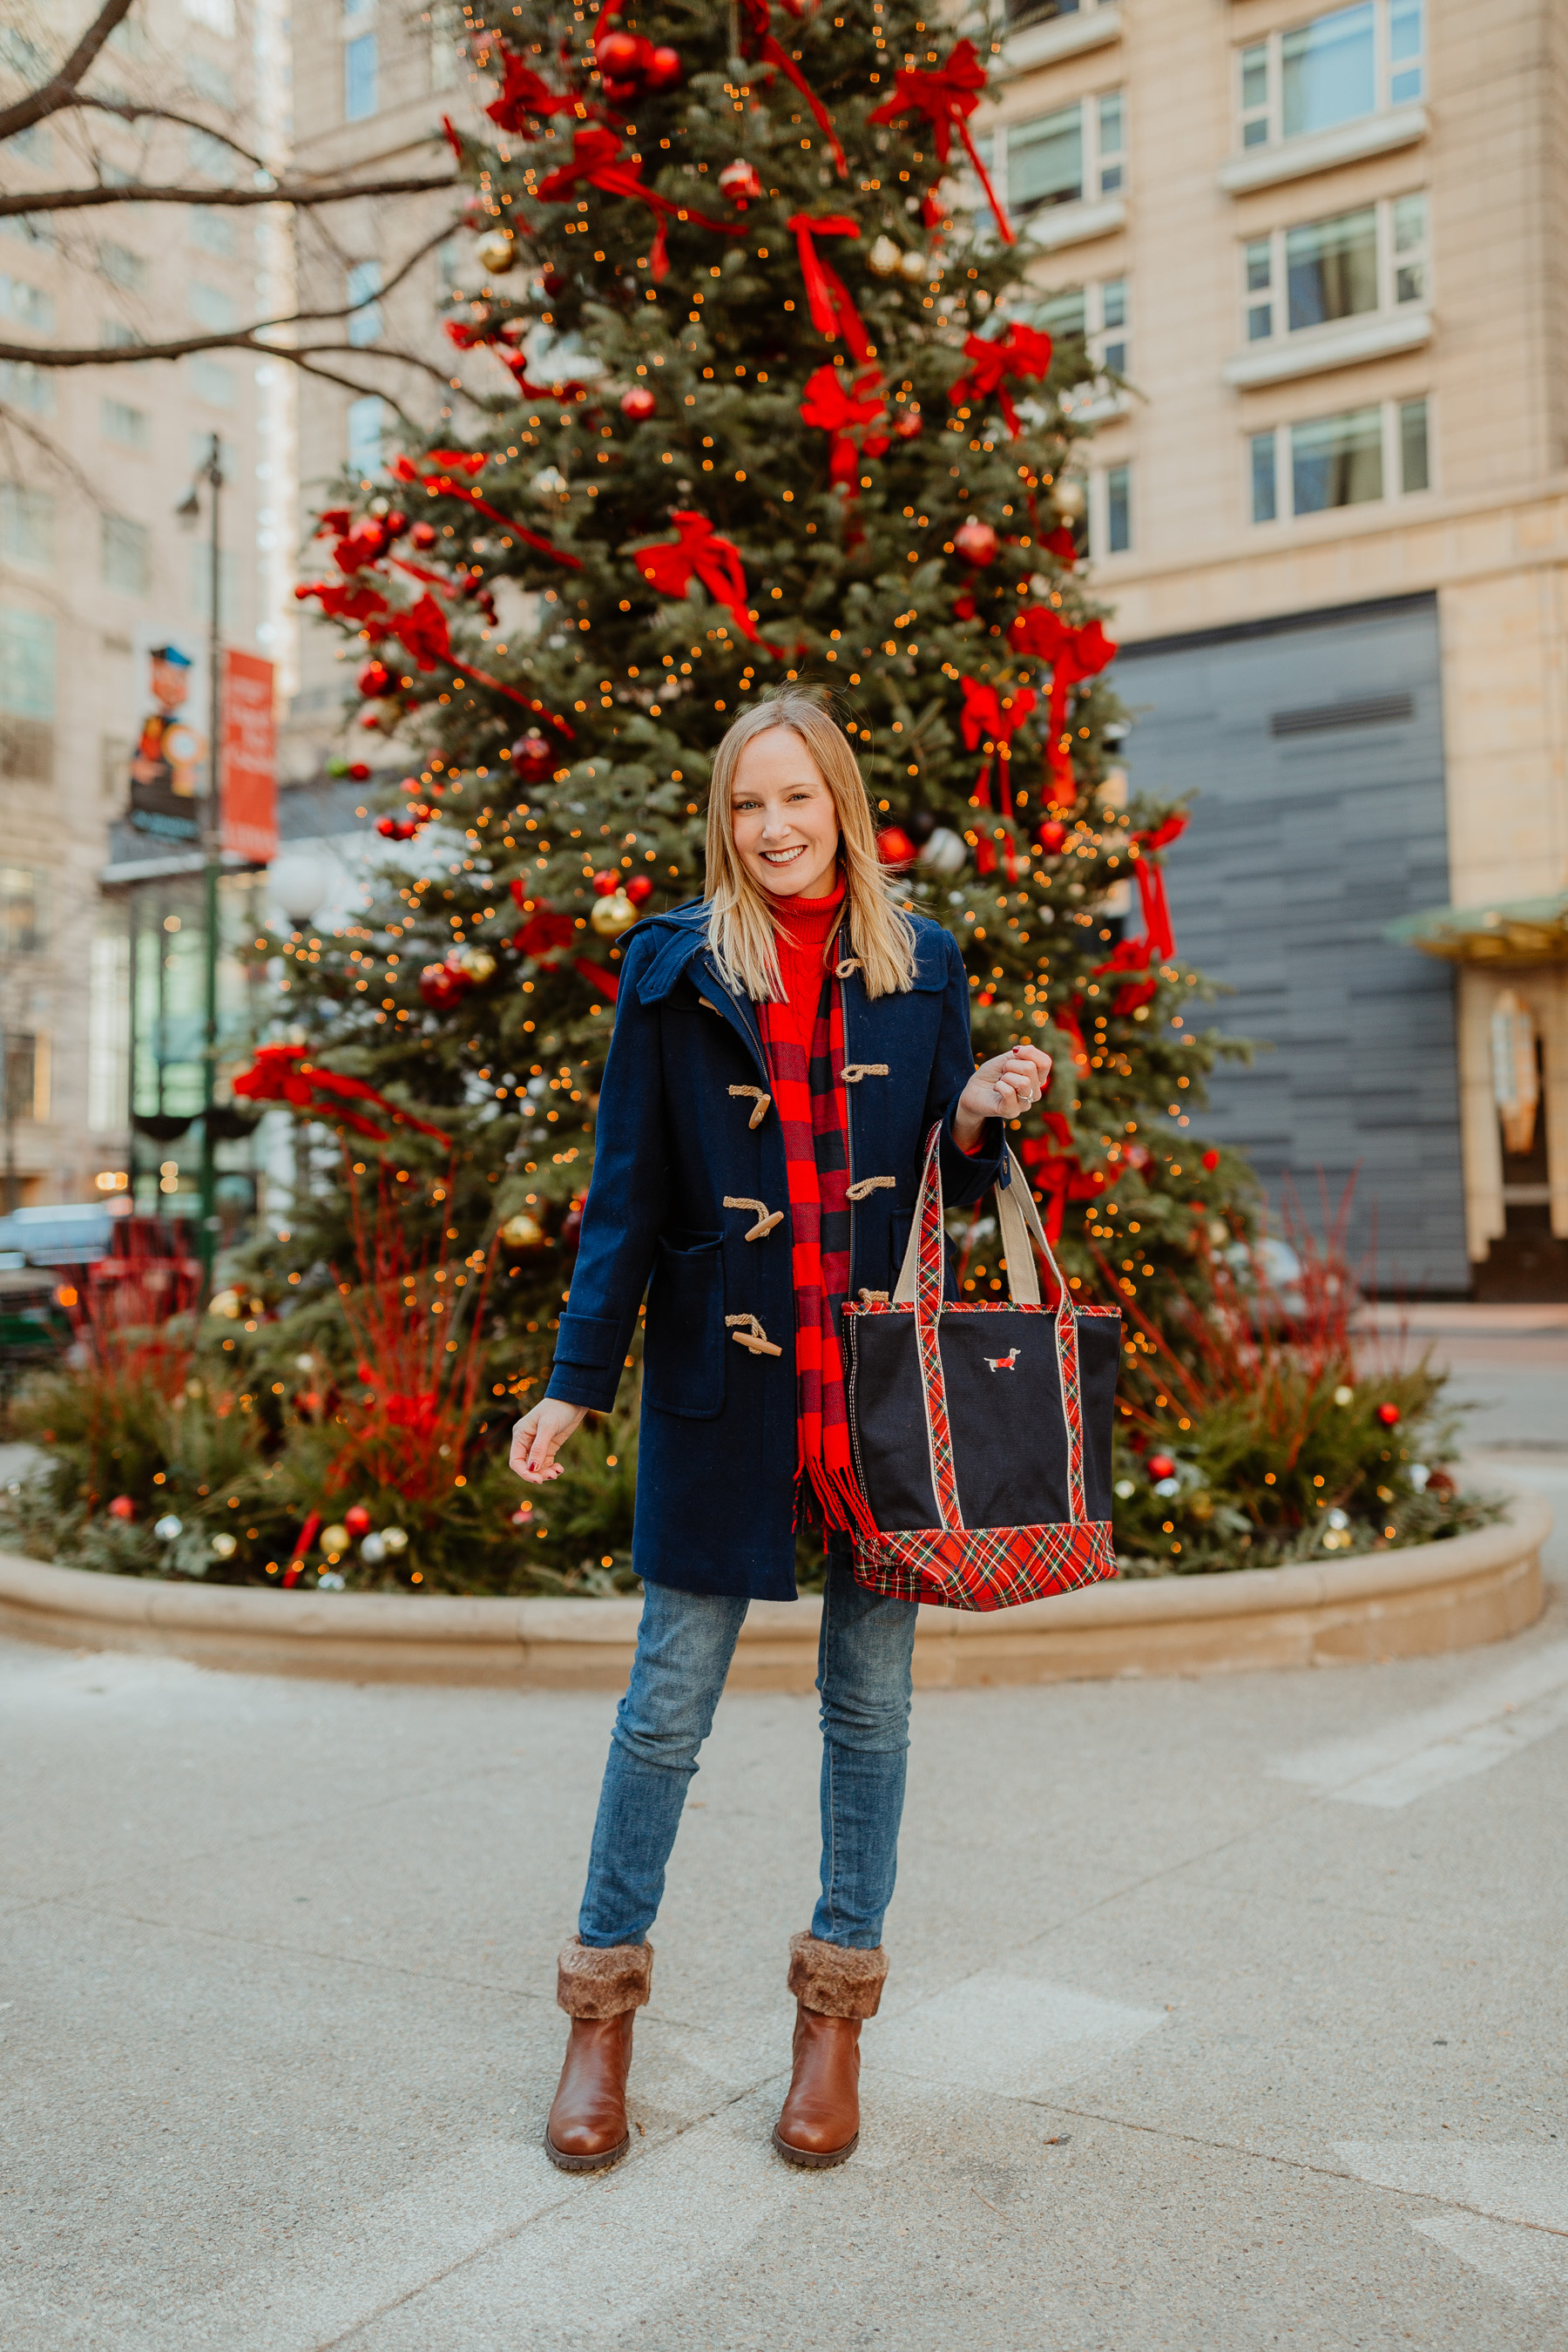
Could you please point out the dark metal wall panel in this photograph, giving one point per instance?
(1303, 844)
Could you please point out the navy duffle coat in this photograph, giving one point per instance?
(716, 1462)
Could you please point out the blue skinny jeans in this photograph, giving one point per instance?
(685, 1642)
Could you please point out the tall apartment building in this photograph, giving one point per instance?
(97, 571)
(1331, 507)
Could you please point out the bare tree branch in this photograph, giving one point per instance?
(301, 193)
(60, 90)
(328, 376)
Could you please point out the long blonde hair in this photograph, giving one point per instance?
(739, 923)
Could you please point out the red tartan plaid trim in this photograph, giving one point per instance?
(986, 1568)
(968, 1307)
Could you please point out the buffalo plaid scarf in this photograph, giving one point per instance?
(813, 1116)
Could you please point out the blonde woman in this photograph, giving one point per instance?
(781, 1049)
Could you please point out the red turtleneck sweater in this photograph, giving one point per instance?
(804, 926)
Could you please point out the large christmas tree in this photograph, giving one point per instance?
(762, 402)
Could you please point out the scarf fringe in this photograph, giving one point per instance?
(843, 1506)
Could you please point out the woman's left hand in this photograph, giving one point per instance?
(1004, 1087)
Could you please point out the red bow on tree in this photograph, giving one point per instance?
(1055, 1171)
(1076, 654)
(697, 548)
(599, 162)
(286, 1074)
(844, 408)
(1021, 353)
(522, 93)
(758, 45)
(544, 935)
(947, 95)
(994, 720)
(826, 296)
(435, 469)
(1157, 944)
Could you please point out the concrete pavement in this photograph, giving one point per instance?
(1223, 2014)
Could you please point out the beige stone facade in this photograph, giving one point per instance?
(1243, 121)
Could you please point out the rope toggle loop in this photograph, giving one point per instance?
(842, 971)
(853, 1072)
(756, 1339)
(767, 1218)
(871, 1185)
(763, 1103)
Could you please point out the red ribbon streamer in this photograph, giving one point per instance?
(599, 162)
(828, 296)
(947, 95)
(994, 720)
(759, 46)
(430, 470)
(1021, 354)
(545, 933)
(287, 1074)
(697, 548)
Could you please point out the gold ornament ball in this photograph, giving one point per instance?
(522, 1233)
(478, 962)
(335, 1539)
(394, 1539)
(885, 258)
(612, 915)
(497, 252)
(1069, 498)
(915, 267)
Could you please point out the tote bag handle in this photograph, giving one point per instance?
(920, 1283)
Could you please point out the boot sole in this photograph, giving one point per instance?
(601, 2163)
(811, 2159)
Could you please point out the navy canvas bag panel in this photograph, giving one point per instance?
(981, 1430)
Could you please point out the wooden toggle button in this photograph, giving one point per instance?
(764, 1101)
(756, 1339)
(767, 1218)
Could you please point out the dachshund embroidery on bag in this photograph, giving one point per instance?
(1003, 1363)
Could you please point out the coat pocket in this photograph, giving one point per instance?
(683, 1346)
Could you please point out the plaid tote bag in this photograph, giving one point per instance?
(981, 1430)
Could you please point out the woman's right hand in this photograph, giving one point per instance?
(539, 1436)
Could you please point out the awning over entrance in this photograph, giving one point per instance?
(1514, 931)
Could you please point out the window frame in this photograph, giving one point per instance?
(1392, 415)
(1095, 158)
(1102, 498)
(1386, 71)
(362, 44)
(1389, 261)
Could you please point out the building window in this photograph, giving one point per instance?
(108, 1034)
(367, 424)
(27, 695)
(213, 157)
(26, 527)
(25, 385)
(364, 310)
(126, 555)
(122, 267)
(32, 228)
(362, 74)
(1097, 315)
(21, 911)
(1361, 456)
(210, 82)
(26, 1074)
(1336, 69)
(212, 383)
(1372, 260)
(217, 16)
(202, 583)
(26, 305)
(118, 421)
(212, 229)
(1061, 158)
(212, 307)
(1110, 511)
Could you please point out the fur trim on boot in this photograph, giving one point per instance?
(833, 1980)
(603, 1980)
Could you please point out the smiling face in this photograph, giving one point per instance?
(783, 817)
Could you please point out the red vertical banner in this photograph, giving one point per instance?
(248, 790)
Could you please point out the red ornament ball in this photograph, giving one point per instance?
(1160, 1466)
(423, 534)
(1051, 835)
(605, 885)
(442, 985)
(908, 424)
(1211, 1161)
(639, 888)
(1389, 1415)
(739, 183)
(663, 69)
(618, 55)
(123, 1507)
(356, 1518)
(374, 680)
(977, 544)
(894, 846)
(531, 759)
(638, 403)
(359, 772)
(396, 523)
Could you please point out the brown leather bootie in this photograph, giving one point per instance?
(834, 1989)
(601, 1989)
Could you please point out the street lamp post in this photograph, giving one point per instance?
(211, 472)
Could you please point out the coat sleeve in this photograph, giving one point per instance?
(625, 1209)
(965, 1179)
